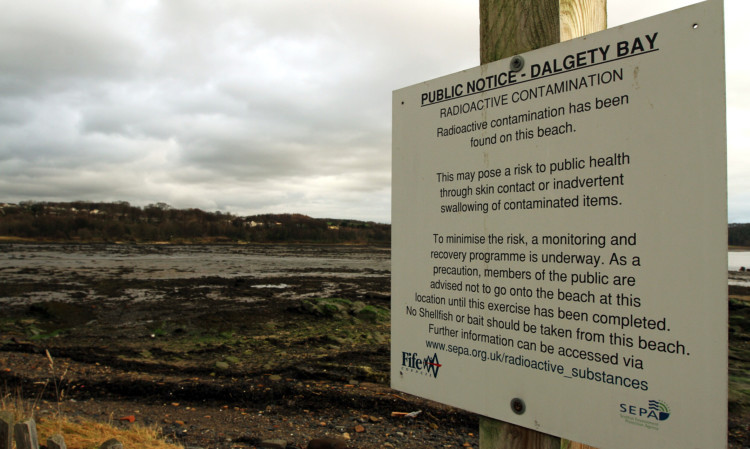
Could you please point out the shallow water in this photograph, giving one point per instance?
(65, 262)
(738, 259)
(37, 262)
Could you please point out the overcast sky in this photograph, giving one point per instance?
(249, 106)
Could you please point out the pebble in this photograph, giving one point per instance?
(273, 444)
(56, 441)
(359, 428)
(111, 444)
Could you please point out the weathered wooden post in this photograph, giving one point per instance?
(26, 435)
(6, 430)
(507, 28)
(510, 27)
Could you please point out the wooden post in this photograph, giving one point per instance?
(510, 27)
(25, 435)
(6, 430)
(507, 28)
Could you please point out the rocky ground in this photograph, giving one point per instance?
(233, 361)
(739, 361)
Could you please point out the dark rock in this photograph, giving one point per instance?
(112, 443)
(56, 441)
(326, 443)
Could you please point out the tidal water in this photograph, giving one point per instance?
(738, 259)
(188, 261)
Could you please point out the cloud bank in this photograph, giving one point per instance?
(241, 107)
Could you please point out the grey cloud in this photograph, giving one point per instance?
(44, 47)
(247, 107)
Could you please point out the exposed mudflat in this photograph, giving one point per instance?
(227, 346)
(222, 346)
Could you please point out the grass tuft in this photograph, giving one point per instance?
(83, 433)
(86, 434)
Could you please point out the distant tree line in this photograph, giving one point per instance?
(86, 221)
(739, 234)
(120, 222)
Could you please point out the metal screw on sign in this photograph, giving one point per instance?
(516, 63)
(518, 406)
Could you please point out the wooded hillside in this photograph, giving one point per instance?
(739, 234)
(121, 222)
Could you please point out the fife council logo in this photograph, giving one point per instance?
(426, 366)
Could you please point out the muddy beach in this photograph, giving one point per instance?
(230, 346)
(221, 346)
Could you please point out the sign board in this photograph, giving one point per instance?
(560, 235)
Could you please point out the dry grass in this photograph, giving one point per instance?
(78, 433)
(84, 433)
(10, 238)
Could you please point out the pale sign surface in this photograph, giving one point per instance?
(559, 236)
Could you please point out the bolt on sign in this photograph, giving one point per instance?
(559, 236)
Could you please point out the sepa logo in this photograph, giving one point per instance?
(428, 366)
(660, 409)
(656, 411)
